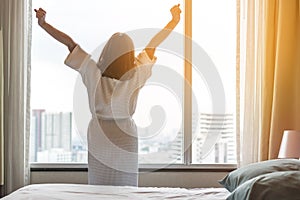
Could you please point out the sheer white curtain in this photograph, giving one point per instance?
(15, 17)
(251, 35)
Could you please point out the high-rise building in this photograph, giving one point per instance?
(57, 131)
(36, 132)
(214, 141)
(51, 139)
(176, 149)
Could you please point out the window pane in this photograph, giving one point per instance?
(56, 136)
(161, 143)
(214, 60)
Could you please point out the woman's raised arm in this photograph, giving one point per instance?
(58, 35)
(164, 33)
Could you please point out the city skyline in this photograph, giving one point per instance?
(53, 141)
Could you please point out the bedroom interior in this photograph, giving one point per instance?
(266, 119)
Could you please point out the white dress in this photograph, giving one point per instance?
(112, 133)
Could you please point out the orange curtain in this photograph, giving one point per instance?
(270, 65)
(280, 81)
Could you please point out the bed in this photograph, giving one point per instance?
(93, 192)
(268, 180)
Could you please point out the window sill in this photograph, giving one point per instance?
(83, 167)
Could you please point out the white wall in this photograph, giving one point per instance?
(155, 179)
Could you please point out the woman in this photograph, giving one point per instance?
(113, 84)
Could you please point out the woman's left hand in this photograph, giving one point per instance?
(175, 11)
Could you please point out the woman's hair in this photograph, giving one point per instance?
(117, 57)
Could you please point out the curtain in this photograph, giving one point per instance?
(281, 105)
(270, 61)
(251, 26)
(16, 78)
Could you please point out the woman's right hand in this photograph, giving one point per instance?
(41, 15)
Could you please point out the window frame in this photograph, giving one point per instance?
(187, 164)
(83, 167)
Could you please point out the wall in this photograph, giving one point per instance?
(1, 118)
(155, 179)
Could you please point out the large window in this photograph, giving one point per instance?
(59, 126)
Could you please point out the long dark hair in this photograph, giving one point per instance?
(117, 57)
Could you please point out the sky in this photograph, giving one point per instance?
(91, 22)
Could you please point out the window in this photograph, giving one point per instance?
(58, 126)
(214, 33)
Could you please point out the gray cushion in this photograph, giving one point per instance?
(245, 173)
(272, 186)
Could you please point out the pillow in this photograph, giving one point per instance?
(241, 175)
(272, 186)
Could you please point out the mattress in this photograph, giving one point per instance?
(93, 192)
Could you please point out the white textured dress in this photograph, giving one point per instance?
(112, 133)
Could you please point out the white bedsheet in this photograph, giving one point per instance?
(93, 192)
